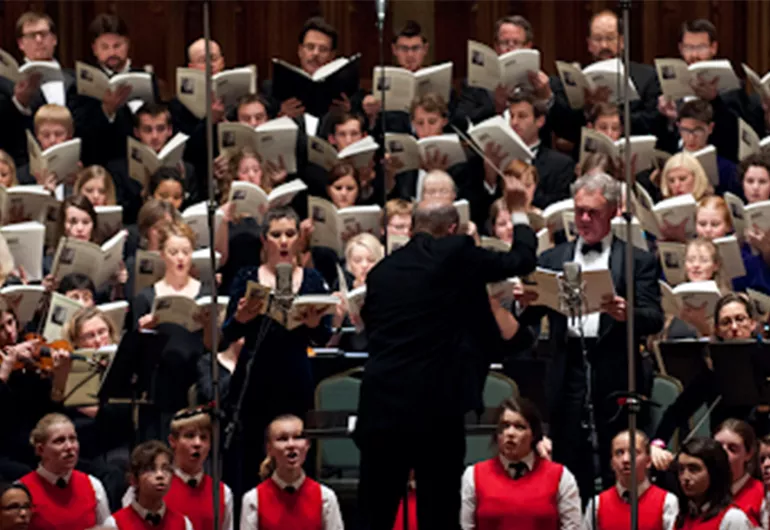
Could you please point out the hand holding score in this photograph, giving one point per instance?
(615, 306)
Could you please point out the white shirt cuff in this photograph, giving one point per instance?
(110, 118)
(21, 108)
(519, 218)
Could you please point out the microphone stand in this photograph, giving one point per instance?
(632, 403)
(381, 37)
(214, 312)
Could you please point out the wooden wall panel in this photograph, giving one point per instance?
(256, 31)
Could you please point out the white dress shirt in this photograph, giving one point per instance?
(227, 523)
(568, 496)
(734, 519)
(52, 90)
(590, 262)
(110, 522)
(670, 507)
(102, 504)
(331, 517)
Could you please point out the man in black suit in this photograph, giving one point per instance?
(698, 42)
(477, 104)
(426, 314)
(605, 41)
(36, 39)
(104, 125)
(597, 198)
(556, 170)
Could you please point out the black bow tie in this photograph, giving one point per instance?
(153, 518)
(593, 247)
(290, 489)
(520, 469)
(61, 483)
(192, 483)
(626, 496)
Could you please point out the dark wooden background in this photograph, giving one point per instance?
(254, 31)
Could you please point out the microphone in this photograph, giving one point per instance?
(284, 294)
(571, 295)
(381, 6)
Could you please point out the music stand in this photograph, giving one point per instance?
(684, 359)
(131, 376)
(739, 367)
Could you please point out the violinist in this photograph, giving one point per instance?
(30, 376)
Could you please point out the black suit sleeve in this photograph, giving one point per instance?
(491, 266)
(475, 104)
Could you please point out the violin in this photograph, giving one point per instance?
(42, 360)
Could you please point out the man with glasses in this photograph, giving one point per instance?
(597, 198)
(477, 104)
(36, 39)
(698, 123)
(605, 41)
(698, 42)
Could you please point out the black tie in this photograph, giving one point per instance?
(593, 247)
(626, 496)
(192, 483)
(61, 483)
(520, 469)
(152, 518)
(290, 489)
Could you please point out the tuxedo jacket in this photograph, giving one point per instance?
(566, 121)
(428, 320)
(557, 173)
(13, 123)
(608, 357)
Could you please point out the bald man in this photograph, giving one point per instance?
(605, 41)
(196, 56)
(429, 323)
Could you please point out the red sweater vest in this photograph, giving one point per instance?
(691, 523)
(749, 499)
(129, 519)
(195, 503)
(615, 514)
(529, 503)
(279, 510)
(70, 508)
(411, 503)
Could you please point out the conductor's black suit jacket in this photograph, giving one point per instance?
(425, 305)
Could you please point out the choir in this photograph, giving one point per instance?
(427, 232)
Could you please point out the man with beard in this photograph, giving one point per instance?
(104, 125)
(605, 41)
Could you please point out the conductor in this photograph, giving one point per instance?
(422, 312)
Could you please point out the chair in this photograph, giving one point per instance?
(497, 388)
(705, 428)
(665, 391)
(337, 461)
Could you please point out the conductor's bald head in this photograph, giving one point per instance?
(435, 218)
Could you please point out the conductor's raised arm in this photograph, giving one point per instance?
(492, 266)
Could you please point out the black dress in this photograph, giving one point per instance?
(280, 382)
(176, 371)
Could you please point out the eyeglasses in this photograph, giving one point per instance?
(697, 131)
(311, 47)
(696, 48)
(16, 507)
(32, 35)
(512, 43)
(739, 320)
(406, 49)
